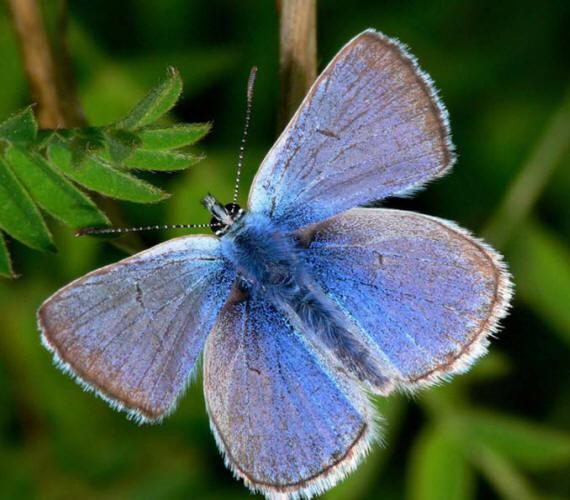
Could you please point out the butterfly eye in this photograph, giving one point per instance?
(216, 225)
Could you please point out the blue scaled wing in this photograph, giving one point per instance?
(423, 290)
(283, 422)
(370, 127)
(132, 331)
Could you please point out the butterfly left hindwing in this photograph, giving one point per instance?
(283, 422)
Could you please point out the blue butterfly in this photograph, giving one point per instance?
(304, 304)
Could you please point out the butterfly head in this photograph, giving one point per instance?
(223, 216)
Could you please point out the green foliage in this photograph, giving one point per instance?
(5, 262)
(96, 174)
(52, 191)
(43, 169)
(20, 217)
(438, 468)
(155, 104)
(540, 257)
(508, 483)
(524, 444)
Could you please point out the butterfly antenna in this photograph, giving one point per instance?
(250, 86)
(117, 230)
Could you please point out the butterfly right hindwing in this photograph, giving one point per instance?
(426, 292)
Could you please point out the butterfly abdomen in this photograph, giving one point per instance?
(320, 318)
(267, 261)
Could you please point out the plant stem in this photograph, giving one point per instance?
(298, 54)
(57, 103)
(52, 84)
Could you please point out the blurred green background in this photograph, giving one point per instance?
(501, 431)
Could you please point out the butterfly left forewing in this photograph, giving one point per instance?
(423, 290)
(283, 423)
(132, 331)
(371, 126)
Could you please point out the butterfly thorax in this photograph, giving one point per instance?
(268, 263)
(264, 257)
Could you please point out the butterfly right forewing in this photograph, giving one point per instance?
(371, 126)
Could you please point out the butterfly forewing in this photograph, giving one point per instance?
(425, 291)
(283, 423)
(133, 330)
(370, 127)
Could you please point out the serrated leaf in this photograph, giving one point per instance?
(20, 127)
(173, 137)
(101, 177)
(158, 160)
(55, 194)
(525, 444)
(156, 103)
(5, 261)
(19, 217)
(438, 468)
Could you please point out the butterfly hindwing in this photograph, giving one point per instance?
(283, 423)
(370, 127)
(132, 331)
(422, 289)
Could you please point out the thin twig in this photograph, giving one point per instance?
(532, 179)
(67, 85)
(298, 54)
(57, 105)
(52, 84)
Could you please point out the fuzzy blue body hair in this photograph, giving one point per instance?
(269, 262)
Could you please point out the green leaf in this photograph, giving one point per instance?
(20, 127)
(83, 142)
(55, 194)
(5, 261)
(158, 160)
(99, 176)
(506, 480)
(155, 104)
(438, 469)
(525, 444)
(540, 261)
(120, 144)
(173, 137)
(41, 168)
(19, 217)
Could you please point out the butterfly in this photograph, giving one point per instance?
(306, 302)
